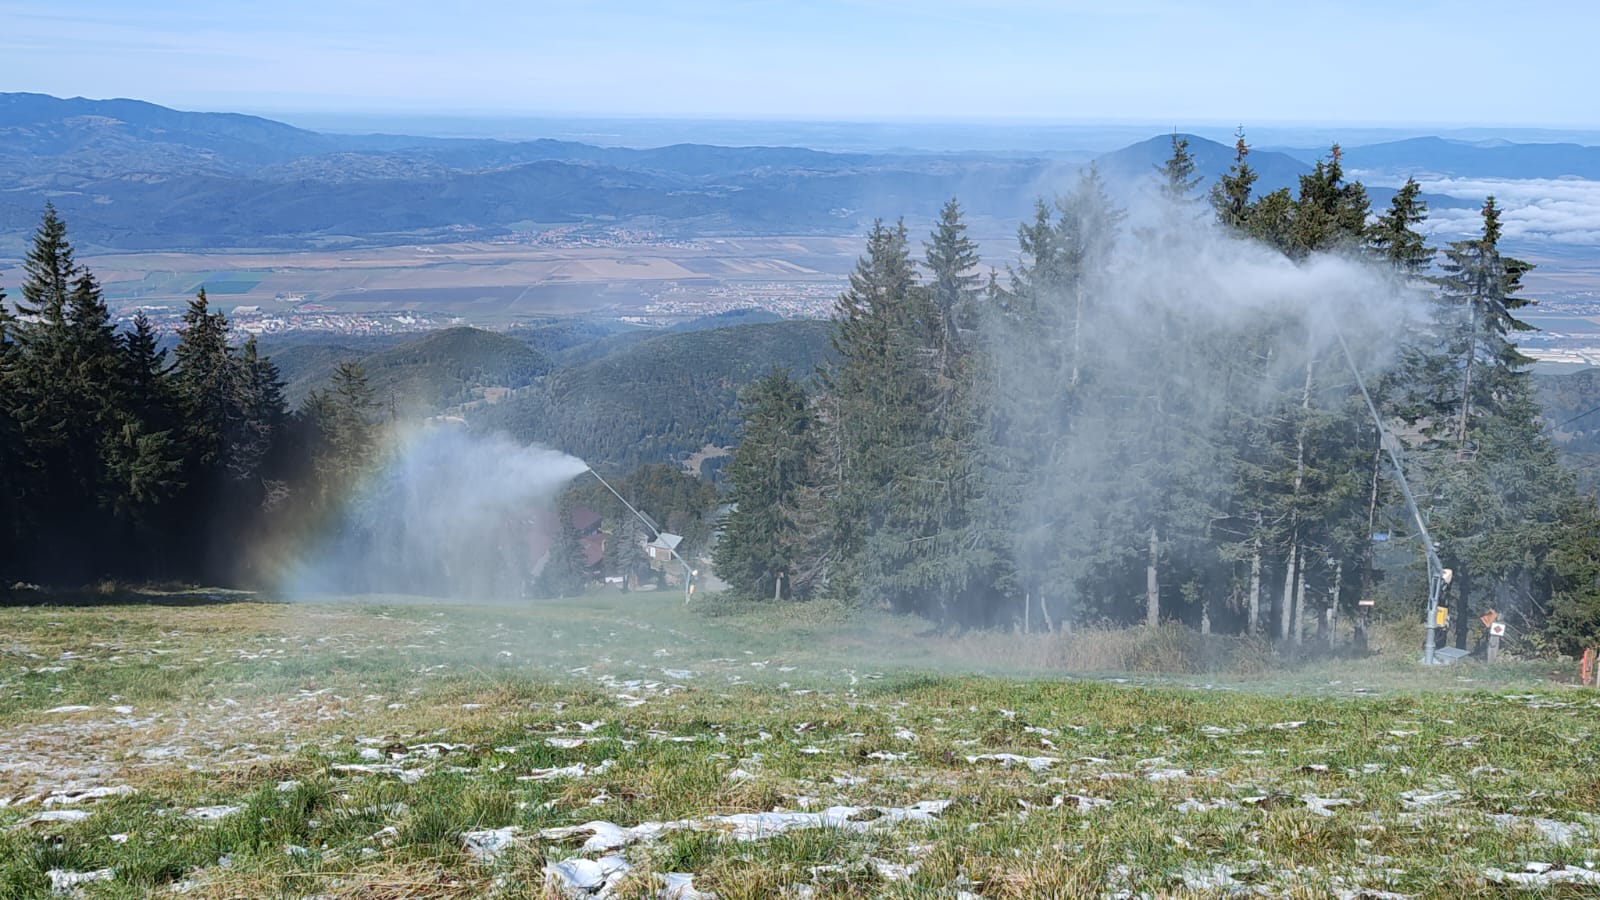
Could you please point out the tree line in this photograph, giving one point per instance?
(1098, 434)
(122, 461)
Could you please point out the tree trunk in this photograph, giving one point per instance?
(1300, 606)
(1291, 615)
(1044, 609)
(1255, 588)
(1205, 615)
(777, 586)
(1333, 607)
(1152, 583)
(1077, 331)
(1372, 522)
(1027, 614)
(1463, 608)
(1286, 606)
(1466, 382)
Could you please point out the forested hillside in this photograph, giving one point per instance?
(134, 175)
(1198, 419)
(422, 376)
(121, 460)
(656, 398)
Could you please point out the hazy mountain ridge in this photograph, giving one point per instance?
(1477, 159)
(134, 175)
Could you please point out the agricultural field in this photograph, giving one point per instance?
(481, 281)
(629, 746)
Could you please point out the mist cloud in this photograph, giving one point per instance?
(1562, 210)
(449, 512)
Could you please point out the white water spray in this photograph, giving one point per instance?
(449, 513)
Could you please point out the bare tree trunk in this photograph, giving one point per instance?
(1372, 522)
(1077, 331)
(1027, 613)
(1292, 611)
(1152, 583)
(1333, 607)
(1205, 615)
(1466, 382)
(1286, 607)
(1300, 606)
(1255, 588)
(1049, 623)
(1463, 607)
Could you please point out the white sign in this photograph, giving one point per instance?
(1497, 629)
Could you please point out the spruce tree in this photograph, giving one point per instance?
(11, 450)
(1178, 178)
(146, 375)
(879, 323)
(48, 271)
(1230, 196)
(1478, 293)
(624, 553)
(1329, 213)
(260, 405)
(64, 381)
(565, 572)
(762, 541)
(1394, 237)
(953, 284)
(204, 380)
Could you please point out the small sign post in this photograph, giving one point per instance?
(1363, 608)
(1496, 630)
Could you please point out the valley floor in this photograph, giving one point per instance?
(623, 745)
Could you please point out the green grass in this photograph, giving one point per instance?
(257, 706)
(229, 282)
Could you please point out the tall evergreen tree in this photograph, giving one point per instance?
(146, 375)
(1394, 236)
(762, 541)
(64, 380)
(565, 571)
(1178, 177)
(10, 450)
(1230, 196)
(952, 260)
(1478, 292)
(204, 380)
(878, 388)
(260, 406)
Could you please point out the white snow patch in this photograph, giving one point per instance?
(1538, 875)
(580, 877)
(680, 886)
(1007, 760)
(64, 882)
(210, 813)
(488, 844)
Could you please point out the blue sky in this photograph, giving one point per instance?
(1467, 62)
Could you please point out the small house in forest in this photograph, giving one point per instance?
(661, 552)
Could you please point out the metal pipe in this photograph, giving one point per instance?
(1391, 446)
(688, 573)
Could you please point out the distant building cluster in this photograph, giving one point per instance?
(310, 317)
(789, 299)
(571, 236)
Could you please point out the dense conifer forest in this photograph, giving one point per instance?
(1155, 415)
(122, 460)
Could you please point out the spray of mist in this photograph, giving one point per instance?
(1134, 404)
(449, 513)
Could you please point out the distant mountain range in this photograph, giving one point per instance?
(134, 175)
(1476, 159)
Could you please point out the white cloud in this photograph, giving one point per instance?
(1560, 210)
